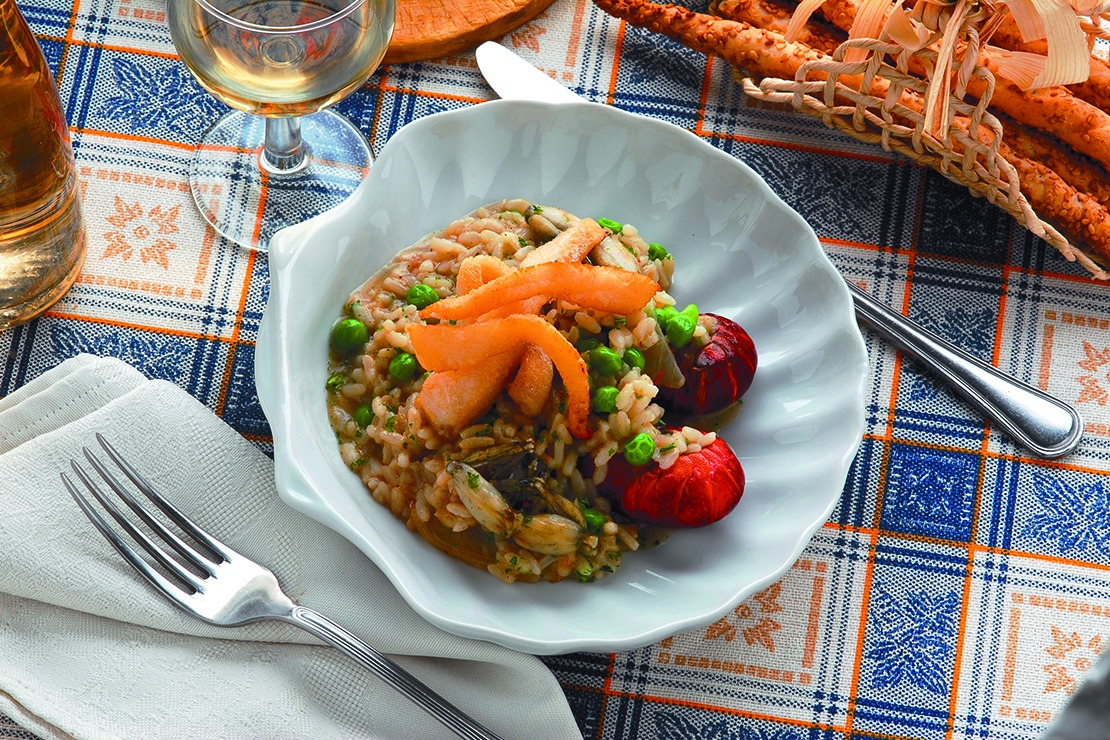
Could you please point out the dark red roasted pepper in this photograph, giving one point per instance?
(717, 375)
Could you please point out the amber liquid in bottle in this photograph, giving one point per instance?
(42, 238)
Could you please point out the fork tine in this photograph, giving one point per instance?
(170, 589)
(138, 535)
(182, 548)
(175, 514)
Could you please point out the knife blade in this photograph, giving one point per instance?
(1040, 422)
(513, 78)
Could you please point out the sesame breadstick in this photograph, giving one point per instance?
(768, 54)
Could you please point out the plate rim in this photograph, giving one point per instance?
(272, 376)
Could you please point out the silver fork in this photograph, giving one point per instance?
(223, 587)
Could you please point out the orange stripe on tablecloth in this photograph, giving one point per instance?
(225, 382)
(205, 255)
(576, 32)
(121, 49)
(813, 627)
(1010, 661)
(621, 27)
(703, 98)
(1045, 369)
(607, 690)
(144, 327)
(857, 659)
(134, 138)
(803, 147)
(425, 94)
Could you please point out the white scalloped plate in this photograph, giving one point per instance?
(740, 252)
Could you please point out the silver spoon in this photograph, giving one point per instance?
(1043, 424)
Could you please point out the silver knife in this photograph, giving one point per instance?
(1038, 421)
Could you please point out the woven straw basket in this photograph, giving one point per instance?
(872, 112)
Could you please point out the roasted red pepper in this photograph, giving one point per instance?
(717, 375)
(698, 489)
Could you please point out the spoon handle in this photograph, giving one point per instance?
(1041, 423)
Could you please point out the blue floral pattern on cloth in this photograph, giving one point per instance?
(914, 644)
(673, 726)
(1074, 517)
(162, 358)
(930, 492)
(166, 100)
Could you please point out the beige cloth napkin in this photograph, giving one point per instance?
(89, 650)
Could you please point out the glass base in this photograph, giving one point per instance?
(249, 203)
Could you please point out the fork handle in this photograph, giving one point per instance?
(317, 624)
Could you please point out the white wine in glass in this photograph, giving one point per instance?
(280, 157)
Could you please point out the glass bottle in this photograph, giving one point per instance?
(42, 236)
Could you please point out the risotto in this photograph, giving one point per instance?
(487, 381)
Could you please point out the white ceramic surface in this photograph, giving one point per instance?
(740, 252)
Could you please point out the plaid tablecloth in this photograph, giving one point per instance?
(960, 589)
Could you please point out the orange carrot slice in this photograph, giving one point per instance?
(450, 347)
(571, 245)
(477, 270)
(454, 399)
(608, 289)
(531, 386)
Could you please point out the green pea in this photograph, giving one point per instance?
(402, 367)
(680, 329)
(421, 295)
(605, 361)
(607, 223)
(349, 336)
(664, 314)
(595, 520)
(640, 449)
(657, 251)
(605, 399)
(335, 382)
(363, 416)
(634, 358)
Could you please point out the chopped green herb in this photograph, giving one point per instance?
(335, 382)
(391, 422)
(472, 479)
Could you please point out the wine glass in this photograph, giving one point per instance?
(279, 157)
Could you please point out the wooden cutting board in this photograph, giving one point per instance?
(430, 29)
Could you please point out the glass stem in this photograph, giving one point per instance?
(283, 152)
